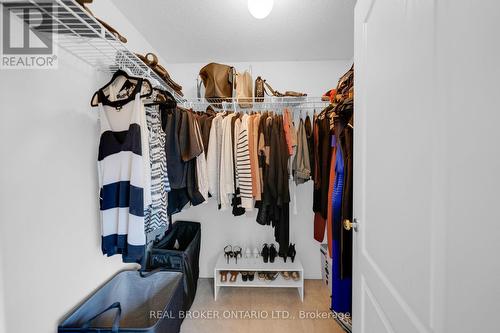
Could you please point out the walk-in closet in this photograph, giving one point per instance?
(249, 166)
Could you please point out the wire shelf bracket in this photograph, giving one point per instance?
(80, 34)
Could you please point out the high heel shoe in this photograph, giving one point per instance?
(265, 253)
(292, 252)
(237, 253)
(228, 252)
(248, 253)
(282, 253)
(256, 253)
(272, 253)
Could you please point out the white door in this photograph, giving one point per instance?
(427, 166)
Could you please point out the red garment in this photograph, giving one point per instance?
(319, 227)
(330, 94)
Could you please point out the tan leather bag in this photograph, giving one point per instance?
(244, 89)
(218, 81)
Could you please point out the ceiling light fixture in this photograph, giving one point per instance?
(260, 8)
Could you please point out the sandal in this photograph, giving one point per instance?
(234, 276)
(271, 276)
(285, 275)
(223, 276)
(295, 276)
(262, 276)
(237, 253)
(228, 252)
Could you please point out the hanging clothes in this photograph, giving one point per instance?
(308, 127)
(155, 215)
(183, 145)
(226, 173)
(340, 194)
(243, 165)
(301, 164)
(177, 169)
(254, 157)
(214, 157)
(322, 175)
(274, 207)
(345, 136)
(191, 147)
(124, 175)
(341, 286)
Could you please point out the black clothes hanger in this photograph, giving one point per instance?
(128, 84)
(163, 98)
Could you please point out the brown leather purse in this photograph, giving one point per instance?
(259, 89)
(218, 81)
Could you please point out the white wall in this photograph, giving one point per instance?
(220, 228)
(49, 226)
(49, 230)
(2, 305)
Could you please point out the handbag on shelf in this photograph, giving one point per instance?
(218, 80)
(244, 89)
(259, 89)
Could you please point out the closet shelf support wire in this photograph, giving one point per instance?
(76, 31)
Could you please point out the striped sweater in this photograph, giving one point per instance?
(243, 168)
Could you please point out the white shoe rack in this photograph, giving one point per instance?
(257, 265)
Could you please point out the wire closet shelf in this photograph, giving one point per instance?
(257, 103)
(79, 33)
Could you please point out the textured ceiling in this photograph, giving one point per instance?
(224, 30)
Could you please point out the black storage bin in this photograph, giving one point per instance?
(131, 302)
(179, 251)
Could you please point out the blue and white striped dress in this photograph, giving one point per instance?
(124, 177)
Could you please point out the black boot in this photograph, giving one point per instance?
(272, 253)
(283, 252)
(292, 252)
(265, 253)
